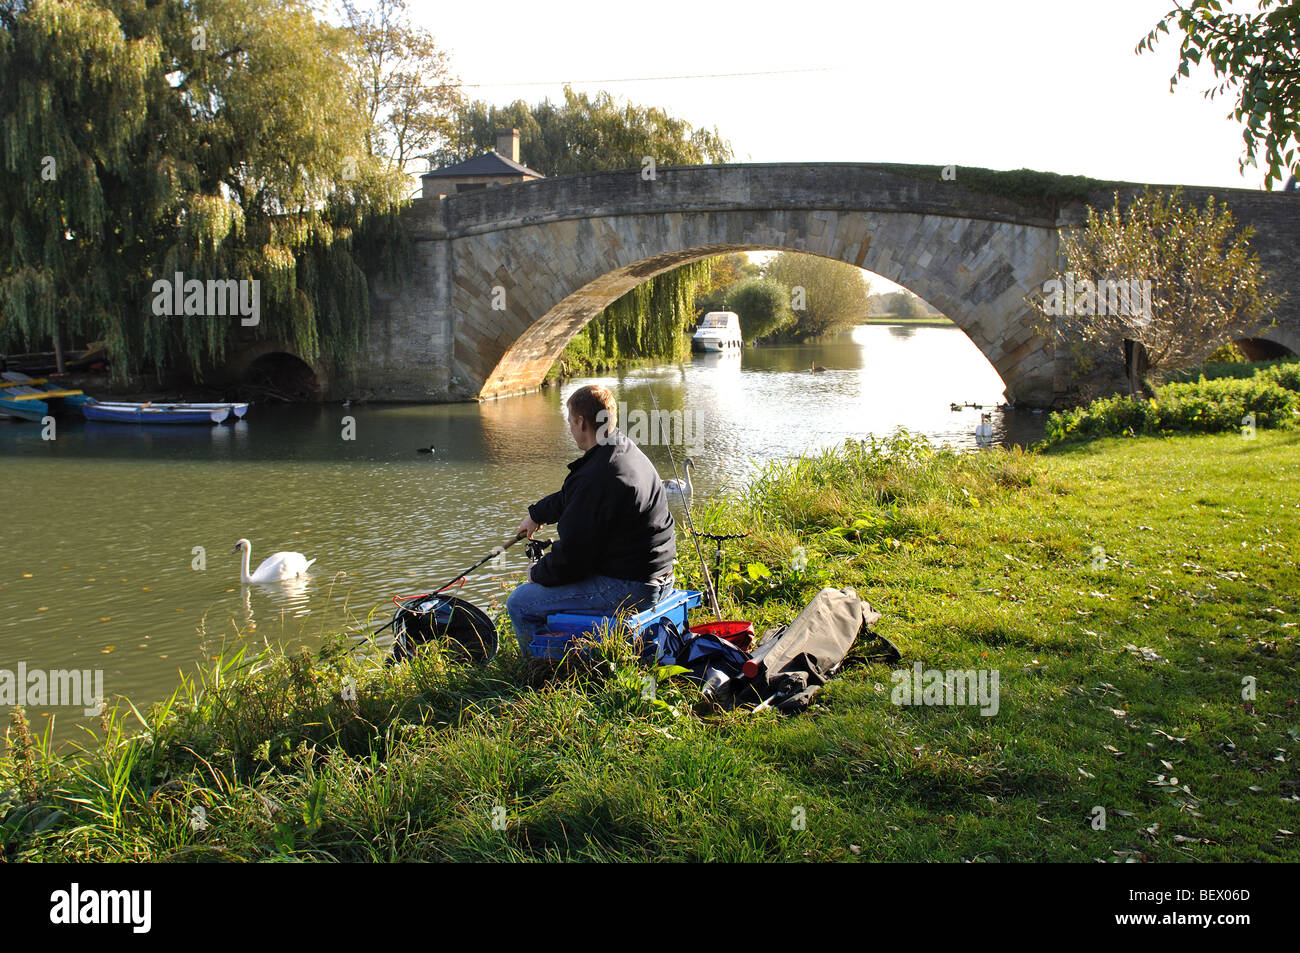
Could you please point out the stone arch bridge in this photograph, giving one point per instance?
(504, 277)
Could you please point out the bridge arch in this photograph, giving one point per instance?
(977, 272)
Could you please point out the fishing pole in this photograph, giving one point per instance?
(409, 600)
(708, 579)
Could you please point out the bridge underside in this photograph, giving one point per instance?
(521, 294)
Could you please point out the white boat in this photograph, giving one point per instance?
(718, 331)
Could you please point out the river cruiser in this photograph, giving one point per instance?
(718, 331)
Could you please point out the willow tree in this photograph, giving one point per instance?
(215, 138)
(590, 134)
(826, 295)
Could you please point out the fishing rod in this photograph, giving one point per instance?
(690, 525)
(407, 601)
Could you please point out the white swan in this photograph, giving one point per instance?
(984, 432)
(683, 488)
(275, 567)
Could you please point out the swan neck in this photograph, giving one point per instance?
(243, 569)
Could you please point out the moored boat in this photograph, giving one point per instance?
(33, 398)
(151, 413)
(237, 410)
(718, 331)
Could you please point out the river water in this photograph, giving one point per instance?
(117, 555)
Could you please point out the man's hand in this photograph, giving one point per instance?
(528, 527)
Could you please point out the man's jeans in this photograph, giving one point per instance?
(531, 603)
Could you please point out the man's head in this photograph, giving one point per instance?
(593, 415)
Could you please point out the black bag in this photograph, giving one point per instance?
(457, 624)
(795, 660)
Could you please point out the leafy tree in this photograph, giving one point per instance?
(1256, 59)
(585, 134)
(402, 82)
(218, 138)
(763, 306)
(724, 271)
(833, 297)
(902, 304)
(1180, 281)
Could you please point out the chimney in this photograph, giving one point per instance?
(508, 143)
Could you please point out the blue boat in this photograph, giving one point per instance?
(151, 413)
(34, 398)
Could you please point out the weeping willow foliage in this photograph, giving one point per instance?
(650, 320)
(214, 138)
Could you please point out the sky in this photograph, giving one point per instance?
(1052, 85)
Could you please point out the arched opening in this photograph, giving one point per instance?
(1262, 349)
(279, 376)
(533, 352)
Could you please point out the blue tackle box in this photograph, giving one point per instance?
(563, 627)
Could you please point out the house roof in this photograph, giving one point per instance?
(489, 163)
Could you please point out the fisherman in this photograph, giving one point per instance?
(616, 540)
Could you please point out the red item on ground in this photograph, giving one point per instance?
(738, 632)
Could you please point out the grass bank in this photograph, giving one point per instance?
(930, 322)
(1137, 598)
(1245, 397)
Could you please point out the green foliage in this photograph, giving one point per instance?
(585, 134)
(763, 306)
(725, 271)
(1228, 353)
(218, 140)
(1272, 395)
(834, 293)
(1048, 191)
(1255, 59)
(901, 304)
(649, 320)
(1212, 370)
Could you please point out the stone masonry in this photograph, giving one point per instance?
(505, 277)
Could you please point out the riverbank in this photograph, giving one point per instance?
(1130, 593)
(935, 322)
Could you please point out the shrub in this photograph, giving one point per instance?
(1202, 406)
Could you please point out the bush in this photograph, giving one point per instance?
(763, 306)
(1214, 370)
(1203, 406)
(1285, 375)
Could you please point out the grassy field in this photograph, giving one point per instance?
(1129, 592)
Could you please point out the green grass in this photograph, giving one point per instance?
(1123, 590)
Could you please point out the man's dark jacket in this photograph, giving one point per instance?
(612, 516)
